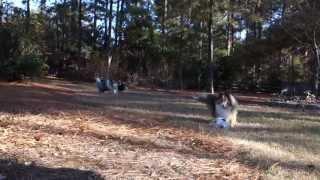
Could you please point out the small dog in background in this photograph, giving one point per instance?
(110, 85)
(223, 106)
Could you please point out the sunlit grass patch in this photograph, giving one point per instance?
(285, 144)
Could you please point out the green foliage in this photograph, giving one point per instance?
(31, 65)
(8, 43)
(166, 42)
(22, 66)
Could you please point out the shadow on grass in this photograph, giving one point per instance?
(285, 132)
(16, 171)
(267, 165)
(293, 132)
(291, 116)
(35, 100)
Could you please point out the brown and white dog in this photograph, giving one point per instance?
(222, 105)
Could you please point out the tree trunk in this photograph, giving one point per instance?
(28, 9)
(1, 11)
(109, 48)
(27, 15)
(317, 66)
(163, 26)
(57, 34)
(292, 76)
(105, 43)
(74, 23)
(230, 28)
(317, 74)
(284, 9)
(42, 6)
(181, 64)
(79, 26)
(164, 39)
(164, 16)
(200, 55)
(121, 19)
(258, 24)
(211, 46)
(201, 42)
(110, 26)
(64, 34)
(94, 28)
(116, 32)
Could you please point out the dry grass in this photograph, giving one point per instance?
(285, 143)
(61, 130)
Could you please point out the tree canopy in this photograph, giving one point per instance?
(186, 44)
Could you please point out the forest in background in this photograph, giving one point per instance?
(186, 44)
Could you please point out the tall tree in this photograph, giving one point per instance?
(106, 9)
(79, 26)
(230, 25)
(116, 31)
(27, 21)
(1, 11)
(211, 46)
(109, 46)
(94, 28)
(110, 26)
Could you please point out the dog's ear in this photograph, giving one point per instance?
(233, 101)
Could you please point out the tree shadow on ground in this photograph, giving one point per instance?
(48, 101)
(13, 170)
(292, 132)
(36, 100)
(44, 100)
(267, 164)
(280, 128)
(289, 116)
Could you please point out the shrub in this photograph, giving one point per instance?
(27, 65)
(30, 65)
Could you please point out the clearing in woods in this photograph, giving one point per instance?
(61, 130)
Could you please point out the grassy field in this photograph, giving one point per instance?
(56, 129)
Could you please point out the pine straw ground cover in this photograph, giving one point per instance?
(61, 130)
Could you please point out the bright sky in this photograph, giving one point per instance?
(19, 3)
